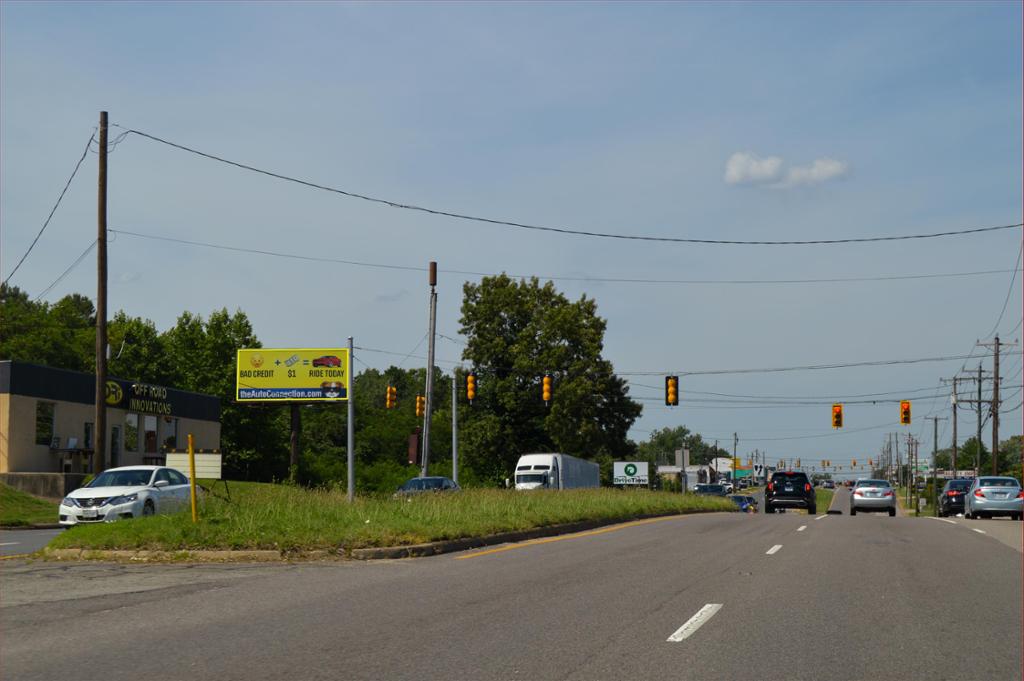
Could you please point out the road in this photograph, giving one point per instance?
(814, 597)
(16, 542)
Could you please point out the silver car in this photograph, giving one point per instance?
(873, 495)
(992, 496)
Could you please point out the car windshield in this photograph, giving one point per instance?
(121, 479)
(422, 484)
(872, 483)
(958, 484)
(531, 477)
(997, 482)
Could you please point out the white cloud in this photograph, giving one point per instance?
(746, 168)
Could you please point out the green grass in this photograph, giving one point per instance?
(263, 516)
(18, 508)
(908, 509)
(823, 499)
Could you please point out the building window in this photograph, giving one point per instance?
(87, 441)
(169, 432)
(131, 432)
(150, 429)
(44, 423)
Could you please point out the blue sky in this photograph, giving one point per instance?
(840, 121)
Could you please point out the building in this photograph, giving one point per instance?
(47, 417)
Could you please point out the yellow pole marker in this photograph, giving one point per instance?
(192, 477)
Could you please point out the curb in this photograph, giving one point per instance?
(48, 526)
(373, 553)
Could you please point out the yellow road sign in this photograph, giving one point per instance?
(292, 375)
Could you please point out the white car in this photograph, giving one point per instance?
(127, 492)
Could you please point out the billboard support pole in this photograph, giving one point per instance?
(430, 369)
(293, 462)
(351, 425)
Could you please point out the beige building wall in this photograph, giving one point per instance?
(5, 429)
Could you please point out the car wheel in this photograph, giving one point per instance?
(1020, 516)
(812, 510)
(853, 510)
(148, 508)
(768, 508)
(892, 512)
(967, 514)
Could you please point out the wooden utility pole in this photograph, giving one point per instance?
(100, 429)
(995, 410)
(430, 369)
(954, 429)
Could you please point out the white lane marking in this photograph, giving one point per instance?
(695, 622)
(773, 549)
(978, 531)
(801, 528)
(821, 516)
(951, 522)
(10, 543)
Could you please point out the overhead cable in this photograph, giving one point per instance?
(560, 230)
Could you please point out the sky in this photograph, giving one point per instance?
(728, 121)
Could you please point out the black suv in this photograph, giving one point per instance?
(791, 489)
(951, 498)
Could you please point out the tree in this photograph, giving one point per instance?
(138, 351)
(519, 331)
(61, 335)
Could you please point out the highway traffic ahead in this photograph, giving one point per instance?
(721, 596)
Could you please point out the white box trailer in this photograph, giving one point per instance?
(556, 471)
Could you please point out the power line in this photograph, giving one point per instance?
(809, 367)
(54, 209)
(908, 392)
(66, 272)
(560, 230)
(604, 280)
(1009, 292)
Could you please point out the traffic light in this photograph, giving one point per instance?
(870, 462)
(837, 416)
(854, 463)
(470, 387)
(672, 391)
(798, 463)
(905, 412)
(546, 391)
(391, 397)
(421, 405)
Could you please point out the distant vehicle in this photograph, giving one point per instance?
(744, 484)
(433, 483)
(727, 485)
(327, 361)
(951, 498)
(747, 504)
(828, 484)
(714, 490)
(556, 471)
(873, 495)
(125, 492)
(791, 489)
(992, 496)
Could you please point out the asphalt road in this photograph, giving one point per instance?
(774, 596)
(17, 542)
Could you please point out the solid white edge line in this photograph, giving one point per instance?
(951, 522)
(821, 516)
(773, 549)
(10, 543)
(978, 531)
(801, 528)
(695, 622)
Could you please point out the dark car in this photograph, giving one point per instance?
(327, 361)
(951, 498)
(746, 503)
(434, 483)
(710, 490)
(791, 489)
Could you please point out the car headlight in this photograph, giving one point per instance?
(68, 501)
(123, 499)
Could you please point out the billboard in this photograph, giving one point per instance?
(629, 472)
(292, 375)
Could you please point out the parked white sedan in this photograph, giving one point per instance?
(127, 492)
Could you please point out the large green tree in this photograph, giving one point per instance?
(59, 335)
(519, 331)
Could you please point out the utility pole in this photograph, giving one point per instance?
(935, 451)
(351, 453)
(995, 411)
(978, 449)
(430, 368)
(100, 429)
(715, 459)
(735, 482)
(455, 425)
(954, 429)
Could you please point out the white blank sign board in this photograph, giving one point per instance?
(207, 465)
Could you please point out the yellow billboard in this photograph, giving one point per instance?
(292, 375)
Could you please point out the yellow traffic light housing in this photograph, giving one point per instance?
(905, 412)
(421, 405)
(672, 391)
(470, 387)
(854, 463)
(391, 397)
(837, 416)
(546, 390)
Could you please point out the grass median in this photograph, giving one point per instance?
(264, 516)
(823, 499)
(18, 509)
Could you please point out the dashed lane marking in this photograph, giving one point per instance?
(801, 528)
(821, 516)
(10, 543)
(695, 622)
(978, 531)
(951, 522)
(773, 549)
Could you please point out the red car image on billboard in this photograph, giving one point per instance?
(327, 361)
